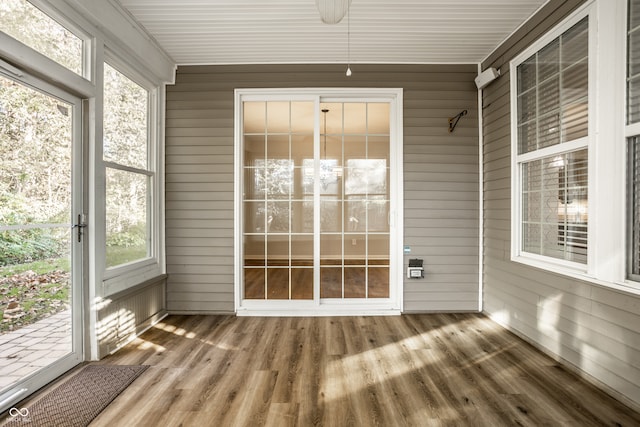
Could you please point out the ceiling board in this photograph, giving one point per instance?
(290, 31)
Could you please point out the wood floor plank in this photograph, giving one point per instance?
(410, 370)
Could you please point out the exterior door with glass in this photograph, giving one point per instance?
(41, 225)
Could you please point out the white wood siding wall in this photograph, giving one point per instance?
(123, 316)
(594, 329)
(441, 177)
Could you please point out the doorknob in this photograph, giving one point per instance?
(80, 225)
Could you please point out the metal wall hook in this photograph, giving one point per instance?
(453, 121)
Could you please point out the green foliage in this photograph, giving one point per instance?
(39, 267)
(135, 235)
(21, 246)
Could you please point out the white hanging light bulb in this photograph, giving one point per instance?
(332, 11)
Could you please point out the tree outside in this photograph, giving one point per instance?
(35, 174)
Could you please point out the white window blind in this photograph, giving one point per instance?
(633, 151)
(552, 156)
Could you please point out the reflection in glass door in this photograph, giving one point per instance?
(354, 200)
(40, 252)
(316, 201)
(278, 209)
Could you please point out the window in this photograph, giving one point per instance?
(29, 25)
(128, 175)
(633, 141)
(551, 86)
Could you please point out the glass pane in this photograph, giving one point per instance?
(330, 215)
(302, 251)
(277, 250)
(35, 156)
(555, 202)
(278, 217)
(277, 283)
(332, 118)
(330, 178)
(255, 182)
(331, 282)
(254, 117)
(277, 147)
(633, 61)
(355, 249)
(355, 118)
(29, 25)
(355, 280)
(634, 14)
(35, 230)
(527, 108)
(302, 283)
(633, 100)
(278, 117)
(552, 109)
(575, 123)
(378, 282)
(575, 43)
(254, 150)
(378, 214)
(302, 117)
(634, 207)
(527, 74)
(527, 137)
(355, 215)
(126, 106)
(378, 147)
(575, 83)
(378, 249)
(302, 217)
(549, 96)
(126, 215)
(254, 250)
(378, 118)
(549, 61)
(330, 249)
(254, 283)
(634, 53)
(355, 147)
(254, 217)
(301, 148)
(549, 130)
(279, 178)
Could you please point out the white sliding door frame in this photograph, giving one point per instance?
(317, 306)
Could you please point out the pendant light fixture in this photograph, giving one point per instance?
(332, 11)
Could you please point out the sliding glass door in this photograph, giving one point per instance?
(278, 200)
(316, 204)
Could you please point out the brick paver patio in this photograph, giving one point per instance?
(33, 347)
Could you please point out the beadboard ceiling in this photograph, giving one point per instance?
(290, 31)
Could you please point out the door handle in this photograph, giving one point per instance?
(80, 225)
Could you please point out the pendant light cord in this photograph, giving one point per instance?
(349, 40)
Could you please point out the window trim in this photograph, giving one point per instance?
(124, 276)
(517, 160)
(630, 275)
(607, 232)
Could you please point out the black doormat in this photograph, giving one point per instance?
(79, 400)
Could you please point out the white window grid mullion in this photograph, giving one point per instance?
(124, 168)
(554, 150)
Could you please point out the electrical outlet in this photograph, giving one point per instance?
(354, 242)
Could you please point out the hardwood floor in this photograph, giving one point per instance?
(410, 370)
